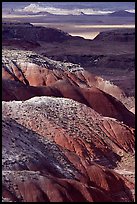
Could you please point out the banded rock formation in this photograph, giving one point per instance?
(54, 148)
(54, 78)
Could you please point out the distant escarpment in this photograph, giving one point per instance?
(28, 32)
(121, 35)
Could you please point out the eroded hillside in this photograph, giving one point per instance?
(67, 134)
(56, 140)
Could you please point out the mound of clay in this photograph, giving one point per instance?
(65, 118)
(65, 80)
(56, 151)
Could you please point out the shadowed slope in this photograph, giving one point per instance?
(41, 156)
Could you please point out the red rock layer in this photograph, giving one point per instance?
(73, 126)
(54, 153)
(78, 85)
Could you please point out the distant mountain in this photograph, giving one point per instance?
(122, 13)
(67, 8)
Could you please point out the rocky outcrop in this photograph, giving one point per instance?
(120, 35)
(112, 53)
(42, 76)
(54, 147)
(67, 118)
(15, 90)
